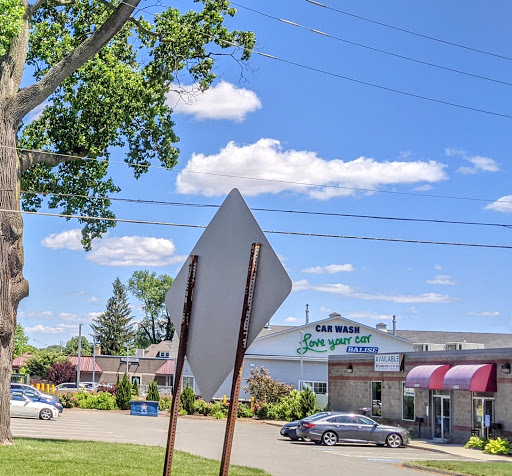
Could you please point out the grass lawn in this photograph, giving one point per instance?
(34, 457)
(473, 468)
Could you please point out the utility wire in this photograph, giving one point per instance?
(291, 233)
(408, 58)
(305, 184)
(458, 45)
(347, 78)
(276, 210)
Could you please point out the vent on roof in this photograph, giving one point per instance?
(382, 327)
(463, 345)
(427, 347)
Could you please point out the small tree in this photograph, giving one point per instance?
(307, 402)
(72, 347)
(264, 388)
(61, 372)
(124, 393)
(40, 363)
(135, 388)
(153, 394)
(188, 400)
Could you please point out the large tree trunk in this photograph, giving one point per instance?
(13, 287)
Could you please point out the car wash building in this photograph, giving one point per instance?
(445, 395)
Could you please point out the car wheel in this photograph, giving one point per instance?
(394, 440)
(329, 438)
(45, 414)
(294, 438)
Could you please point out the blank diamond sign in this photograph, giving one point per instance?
(223, 254)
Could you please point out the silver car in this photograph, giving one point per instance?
(350, 427)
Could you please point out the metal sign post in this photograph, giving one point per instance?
(239, 358)
(182, 350)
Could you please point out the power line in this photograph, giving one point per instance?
(276, 210)
(458, 45)
(347, 78)
(305, 184)
(277, 232)
(407, 58)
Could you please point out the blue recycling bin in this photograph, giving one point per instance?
(144, 408)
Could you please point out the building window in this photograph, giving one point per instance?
(318, 388)
(407, 403)
(188, 382)
(163, 354)
(376, 398)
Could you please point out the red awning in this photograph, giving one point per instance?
(427, 376)
(476, 378)
(166, 369)
(86, 364)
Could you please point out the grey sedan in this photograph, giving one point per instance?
(349, 427)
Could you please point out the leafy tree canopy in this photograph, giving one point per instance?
(264, 388)
(21, 342)
(40, 363)
(150, 290)
(72, 347)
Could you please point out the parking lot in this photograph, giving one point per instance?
(255, 444)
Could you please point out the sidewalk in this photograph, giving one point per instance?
(458, 450)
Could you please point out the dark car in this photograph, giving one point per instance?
(35, 395)
(290, 429)
(352, 428)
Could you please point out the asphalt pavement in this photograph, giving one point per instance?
(256, 444)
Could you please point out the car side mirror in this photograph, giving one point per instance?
(375, 425)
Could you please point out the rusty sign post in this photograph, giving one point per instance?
(239, 358)
(182, 351)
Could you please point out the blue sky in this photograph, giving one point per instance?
(308, 140)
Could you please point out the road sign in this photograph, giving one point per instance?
(223, 252)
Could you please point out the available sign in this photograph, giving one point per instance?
(387, 362)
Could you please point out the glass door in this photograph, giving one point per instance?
(483, 416)
(441, 416)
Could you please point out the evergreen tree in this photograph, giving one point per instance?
(153, 394)
(135, 388)
(124, 393)
(307, 402)
(113, 328)
(188, 400)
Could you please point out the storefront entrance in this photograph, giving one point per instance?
(483, 414)
(441, 414)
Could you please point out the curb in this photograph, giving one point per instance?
(431, 470)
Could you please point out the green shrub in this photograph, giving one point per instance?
(165, 403)
(68, 400)
(219, 406)
(244, 411)
(135, 388)
(124, 393)
(307, 402)
(153, 394)
(188, 400)
(288, 408)
(219, 415)
(261, 410)
(499, 446)
(202, 407)
(476, 442)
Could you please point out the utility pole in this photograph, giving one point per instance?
(94, 360)
(301, 361)
(79, 354)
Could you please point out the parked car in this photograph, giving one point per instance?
(290, 429)
(350, 427)
(35, 395)
(22, 406)
(69, 387)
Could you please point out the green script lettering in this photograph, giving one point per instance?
(363, 339)
(311, 344)
(339, 341)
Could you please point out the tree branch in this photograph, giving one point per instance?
(30, 97)
(28, 158)
(136, 22)
(40, 3)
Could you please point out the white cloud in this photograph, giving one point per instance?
(442, 279)
(36, 113)
(58, 329)
(485, 314)
(292, 319)
(478, 162)
(45, 314)
(274, 170)
(222, 101)
(119, 251)
(67, 240)
(346, 290)
(503, 204)
(94, 299)
(424, 188)
(369, 315)
(325, 309)
(438, 267)
(330, 269)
